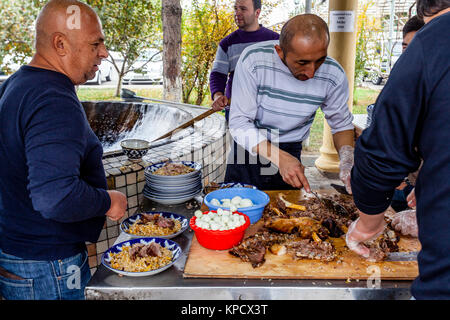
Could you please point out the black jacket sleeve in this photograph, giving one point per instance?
(386, 151)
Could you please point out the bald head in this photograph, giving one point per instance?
(69, 40)
(64, 16)
(309, 27)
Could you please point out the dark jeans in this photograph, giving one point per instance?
(243, 167)
(22, 279)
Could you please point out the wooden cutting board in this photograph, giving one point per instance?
(206, 263)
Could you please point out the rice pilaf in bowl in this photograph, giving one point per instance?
(173, 171)
(164, 225)
(141, 256)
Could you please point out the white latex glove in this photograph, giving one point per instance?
(356, 236)
(346, 165)
(411, 198)
(406, 222)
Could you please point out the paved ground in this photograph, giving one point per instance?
(316, 178)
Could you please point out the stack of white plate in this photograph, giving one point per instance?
(172, 189)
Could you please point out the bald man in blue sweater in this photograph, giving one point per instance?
(53, 195)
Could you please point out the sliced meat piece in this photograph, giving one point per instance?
(165, 222)
(135, 251)
(253, 248)
(146, 218)
(153, 250)
(254, 254)
(150, 250)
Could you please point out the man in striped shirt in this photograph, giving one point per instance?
(277, 90)
(246, 13)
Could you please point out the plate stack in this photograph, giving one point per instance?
(172, 189)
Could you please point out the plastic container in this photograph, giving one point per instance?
(216, 239)
(258, 197)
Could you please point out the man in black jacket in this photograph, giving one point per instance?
(411, 122)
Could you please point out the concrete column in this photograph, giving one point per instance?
(343, 49)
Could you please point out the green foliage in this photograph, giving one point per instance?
(366, 50)
(17, 31)
(204, 24)
(130, 27)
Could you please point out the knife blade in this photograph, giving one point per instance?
(339, 188)
(402, 256)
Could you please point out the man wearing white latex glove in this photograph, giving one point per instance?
(365, 228)
(346, 165)
(409, 126)
(277, 88)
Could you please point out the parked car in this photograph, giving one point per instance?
(103, 73)
(144, 71)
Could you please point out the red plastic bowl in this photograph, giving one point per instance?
(219, 240)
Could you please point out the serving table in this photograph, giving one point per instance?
(172, 284)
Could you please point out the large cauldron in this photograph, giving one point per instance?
(113, 121)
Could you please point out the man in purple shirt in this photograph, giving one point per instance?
(246, 13)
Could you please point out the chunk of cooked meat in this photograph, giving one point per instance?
(278, 249)
(165, 222)
(146, 217)
(253, 248)
(309, 249)
(303, 234)
(157, 219)
(140, 250)
(303, 226)
(382, 245)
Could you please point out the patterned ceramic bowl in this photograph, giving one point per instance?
(166, 243)
(135, 149)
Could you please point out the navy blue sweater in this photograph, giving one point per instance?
(412, 121)
(52, 184)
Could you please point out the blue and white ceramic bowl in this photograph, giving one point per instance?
(127, 223)
(166, 243)
(135, 149)
(259, 198)
(158, 194)
(152, 168)
(172, 199)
